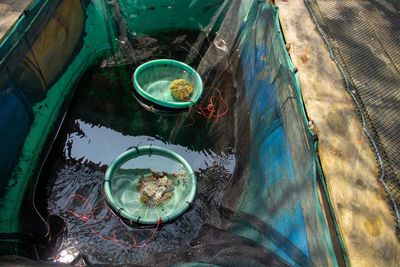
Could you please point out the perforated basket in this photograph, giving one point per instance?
(122, 177)
(151, 82)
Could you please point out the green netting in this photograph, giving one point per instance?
(49, 97)
(146, 15)
(47, 112)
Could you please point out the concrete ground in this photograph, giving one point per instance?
(10, 10)
(349, 165)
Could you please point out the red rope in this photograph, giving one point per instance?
(88, 218)
(211, 111)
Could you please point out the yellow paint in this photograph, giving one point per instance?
(373, 226)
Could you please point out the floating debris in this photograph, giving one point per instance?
(180, 88)
(155, 189)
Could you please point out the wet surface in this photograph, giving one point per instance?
(103, 121)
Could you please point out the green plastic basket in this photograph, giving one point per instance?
(122, 176)
(151, 81)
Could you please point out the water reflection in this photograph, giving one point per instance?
(101, 145)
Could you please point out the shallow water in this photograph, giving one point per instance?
(103, 121)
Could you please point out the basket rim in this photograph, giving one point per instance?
(158, 101)
(136, 152)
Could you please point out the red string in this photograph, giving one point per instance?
(211, 111)
(88, 218)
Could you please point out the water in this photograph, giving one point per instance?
(103, 121)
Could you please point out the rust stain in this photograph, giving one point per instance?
(288, 47)
(304, 58)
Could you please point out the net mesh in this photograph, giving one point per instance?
(366, 46)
